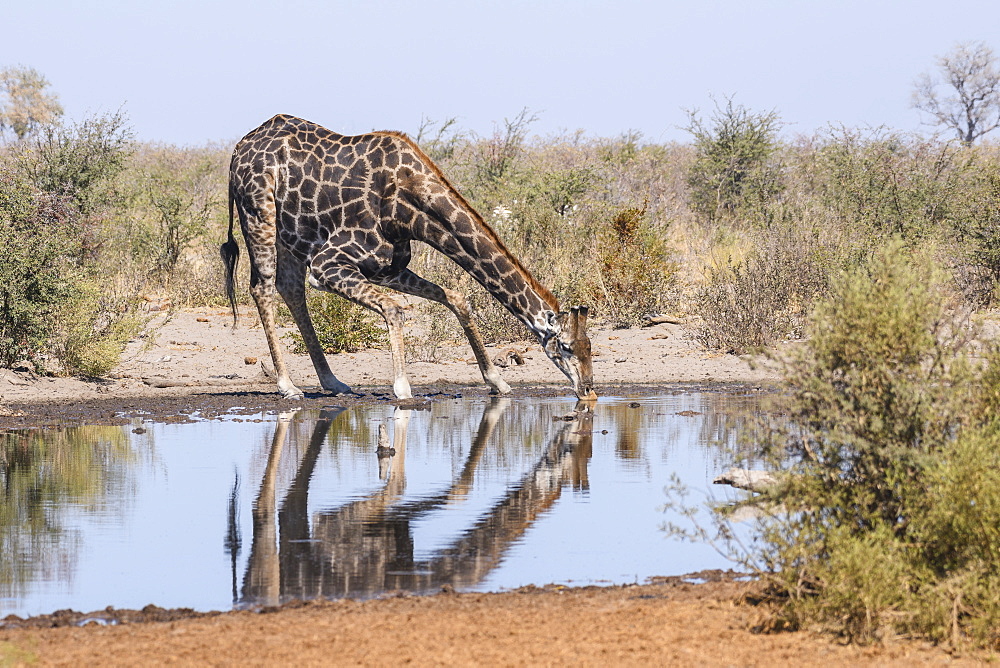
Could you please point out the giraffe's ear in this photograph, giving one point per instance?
(578, 320)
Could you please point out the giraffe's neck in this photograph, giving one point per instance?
(441, 217)
(469, 241)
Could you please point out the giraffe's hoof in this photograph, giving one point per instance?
(293, 394)
(499, 388)
(338, 388)
(401, 388)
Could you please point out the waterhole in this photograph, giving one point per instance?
(475, 494)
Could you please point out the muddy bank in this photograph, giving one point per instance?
(254, 403)
(198, 353)
(667, 623)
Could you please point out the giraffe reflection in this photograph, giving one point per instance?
(366, 547)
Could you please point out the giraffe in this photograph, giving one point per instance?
(340, 213)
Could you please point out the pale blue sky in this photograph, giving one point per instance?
(195, 71)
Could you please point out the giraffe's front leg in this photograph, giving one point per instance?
(394, 319)
(348, 282)
(410, 283)
(491, 374)
(393, 314)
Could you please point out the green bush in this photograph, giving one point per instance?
(52, 305)
(733, 165)
(634, 270)
(341, 325)
(180, 200)
(64, 304)
(977, 228)
(39, 245)
(91, 329)
(887, 515)
(889, 184)
(81, 160)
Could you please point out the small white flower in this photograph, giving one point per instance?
(501, 212)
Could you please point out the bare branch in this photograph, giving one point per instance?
(973, 109)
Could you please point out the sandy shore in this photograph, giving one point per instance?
(198, 351)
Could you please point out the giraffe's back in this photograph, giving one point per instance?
(331, 193)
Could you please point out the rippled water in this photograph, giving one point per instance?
(482, 495)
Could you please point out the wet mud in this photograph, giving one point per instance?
(727, 580)
(188, 406)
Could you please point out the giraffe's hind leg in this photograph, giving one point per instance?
(291, 278)
(346, 281)
(410, 283)
(262, 290)
(258, 233)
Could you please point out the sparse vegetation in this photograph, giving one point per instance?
(874, 242)
(741, 231)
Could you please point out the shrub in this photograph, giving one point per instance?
(430, 327)
(887, 516)
(746, 305)
(889, 184)
(499, 153)
(634, 269)
(439, 140)
(91, 328)
(765, 295)
(733, 160)
(977, 229)
(341, 325)
(63, 304)
(182, 198)
(80, 160)
(38, 247)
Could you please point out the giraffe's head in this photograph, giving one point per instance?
(568, 345)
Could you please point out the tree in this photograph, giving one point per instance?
(974, 108)
(28, 106)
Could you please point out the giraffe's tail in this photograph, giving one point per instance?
(230, 252)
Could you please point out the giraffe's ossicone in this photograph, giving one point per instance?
(339, 212)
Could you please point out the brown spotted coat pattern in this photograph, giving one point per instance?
(340, 212)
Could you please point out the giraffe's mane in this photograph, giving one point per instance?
(540, 289)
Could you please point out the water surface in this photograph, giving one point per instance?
(481, 495)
